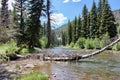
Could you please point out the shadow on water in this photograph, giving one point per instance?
(6, 75)
(105, 66)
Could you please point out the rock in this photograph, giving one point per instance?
(29, 66)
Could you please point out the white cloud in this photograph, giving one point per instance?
(76, 0)
(9, 4)
(65, 1)
(58, 19)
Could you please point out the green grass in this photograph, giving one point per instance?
(32, 76)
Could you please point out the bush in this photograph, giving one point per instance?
(43, 42)
(97, 43)
(89, 44)
(104, 40)
(116, 47)
(80, 43)
(71, 45)
(11, 47)
(32, 76)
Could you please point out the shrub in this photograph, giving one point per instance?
(11, 47)
(116, 47)
(97, 43)
(71, 45)
(43, 42)
(80, 43)
(104, 40)
(89, 44)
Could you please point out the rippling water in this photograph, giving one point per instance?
(105, 66)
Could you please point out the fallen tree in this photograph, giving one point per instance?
(46, 57)
(77, 57)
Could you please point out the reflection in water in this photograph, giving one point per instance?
(105, 66)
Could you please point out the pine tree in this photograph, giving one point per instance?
(20, 8)
(108, 21)
(74, 29)
(33, 31)
(69, 32)
(78, 29)
(63, 39)
(88, 24)
(94, 29)
(99, 14)
(48, 23)
(4, 20)
(84, 29)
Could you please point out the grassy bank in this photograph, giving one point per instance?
(32, 76)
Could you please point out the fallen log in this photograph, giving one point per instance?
(67, 58)
(77, 57)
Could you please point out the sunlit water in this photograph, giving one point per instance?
(105, 66)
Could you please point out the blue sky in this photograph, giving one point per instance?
(72, 8)
(65, 10)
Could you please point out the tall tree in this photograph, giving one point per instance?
(48, 23)
(20, 8)
(84, 29)
(74, 29)
(4, 20)
(94, 29)
(78, 29)
(33, 31)
(69, 32)
(108, 21)
(99, 14)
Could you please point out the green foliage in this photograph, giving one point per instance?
(69, 32)
(116, 47)
(80, 43)
(11, 47)
(32, 76)
(43, 42)
(24, 51)
(8, 49)
(94, 29)
(96, 43)
(104, 40)
(71, 45)
(89, 44)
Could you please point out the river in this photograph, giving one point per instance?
(105, 66)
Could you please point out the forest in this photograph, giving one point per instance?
(24, 32)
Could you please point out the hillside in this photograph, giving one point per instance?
(116, 14)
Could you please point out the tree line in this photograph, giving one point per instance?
(23, 23)
(95, 23)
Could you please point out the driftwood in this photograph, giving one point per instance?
(77, 57)
(45, 57)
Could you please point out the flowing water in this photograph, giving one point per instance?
(105, 66)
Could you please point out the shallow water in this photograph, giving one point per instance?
(105, 66)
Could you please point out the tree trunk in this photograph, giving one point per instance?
(101, 50)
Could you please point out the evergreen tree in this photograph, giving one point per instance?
(20, 8)
(88, 25)
(108, 21)
(33, 31)
(63, 39)
(84, 29)
(69, 32)
(48, 23)
(74, 29)
(4, 21)
(78, 29)
(94, 29)
(99, 14)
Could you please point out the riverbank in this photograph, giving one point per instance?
(62, 70)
